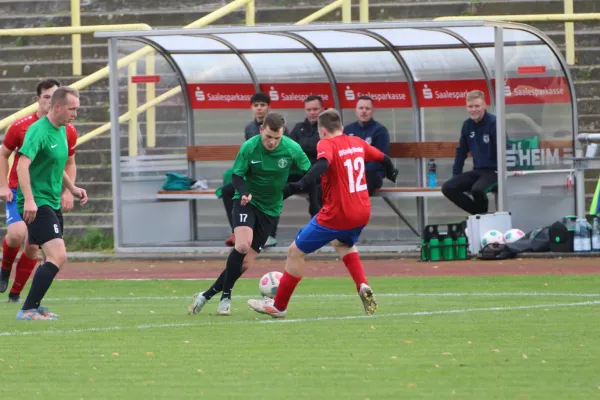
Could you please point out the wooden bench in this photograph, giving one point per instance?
(404, 150)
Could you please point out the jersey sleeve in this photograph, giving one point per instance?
(11, 139)
(31, 144)
(71, 139)
(325, 150)
(300, 158)
(242, 160)
(372, 153)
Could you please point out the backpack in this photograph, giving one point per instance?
(175, 181)
(493, 251)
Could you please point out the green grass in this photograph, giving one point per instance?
(134, 340)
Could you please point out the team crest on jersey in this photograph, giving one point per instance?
(486, 139)
(282, 163)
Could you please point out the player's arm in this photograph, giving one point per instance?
(30, 208)
(8, 146)
(240, 168)
(374, 154)
(461, 152)
(324, 155)
(66, 198)
(75, 191)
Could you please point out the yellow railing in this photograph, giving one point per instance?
(132, 113)
(568, 18)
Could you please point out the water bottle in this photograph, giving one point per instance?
(596, 235)
(580, 233)
(431, 174)
(587, 237)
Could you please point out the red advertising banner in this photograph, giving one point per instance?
(384, 94)
(537, 90)
(448, 93)
(145, 79)
(292, 95)
(220, 95)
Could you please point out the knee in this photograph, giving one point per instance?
(59, 259)
(294, 252)
(448, 188)
(31, 251)
(242, 246)
(16, 234)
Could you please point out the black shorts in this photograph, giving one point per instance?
(47, 225)
(261, 223)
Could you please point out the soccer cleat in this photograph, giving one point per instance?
(368, 298)
(271, 242)
(198, 301)
(14, 298)
(4, 276)
(46, 313)
(32, 315)
(230, 241)
(266, 306)
(224, 307)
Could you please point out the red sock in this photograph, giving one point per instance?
(8, 255)
(352, 262)
(25, 267)
(287, 284)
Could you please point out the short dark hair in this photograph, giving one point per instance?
(365, 98)
(260, 97)
(331, 120)
(60, 95)
(313, 97)
(274, 121)
(46, 84)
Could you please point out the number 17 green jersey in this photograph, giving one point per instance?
(266, 172)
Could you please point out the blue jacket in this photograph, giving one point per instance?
(376, 135)
(479, 139)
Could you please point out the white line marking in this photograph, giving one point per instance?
(317, 319)
(310, 296)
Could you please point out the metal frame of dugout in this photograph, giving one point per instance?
(499, 50)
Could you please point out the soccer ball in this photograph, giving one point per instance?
(269, 283)
(493, 237)
(513, 235)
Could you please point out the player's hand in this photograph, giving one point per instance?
(392, 175)
(293, 188)
(29, 210)
(6, 194)
(66, 201)
(245, 199)
(82, 194)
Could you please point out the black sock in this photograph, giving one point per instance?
(39, 285)
(233, 271)
(216, 287)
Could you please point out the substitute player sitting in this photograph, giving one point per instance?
(346, 211)
(260, 173)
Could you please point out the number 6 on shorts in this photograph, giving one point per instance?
(56, 228)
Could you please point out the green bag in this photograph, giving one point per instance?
(175, 181)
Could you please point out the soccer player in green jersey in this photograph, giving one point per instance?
(260, 173)
(41, 173)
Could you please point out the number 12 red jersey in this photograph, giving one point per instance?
(346, 203)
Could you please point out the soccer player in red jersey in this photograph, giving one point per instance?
(346, 211)
(16, 228)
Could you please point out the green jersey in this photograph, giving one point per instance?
(266, 172)
(46, 146)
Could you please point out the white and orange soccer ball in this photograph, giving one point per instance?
(493, 237)
(513, 235)
(269, 283)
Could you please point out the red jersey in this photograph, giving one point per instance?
(346, 203)
(13, 140)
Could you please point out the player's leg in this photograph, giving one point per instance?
(243, 217)
(25, 266)
(15, 236)
(310, 238)
(227, 193)
(454, 189)
(45, 231)
(345, 246)
(487, 181)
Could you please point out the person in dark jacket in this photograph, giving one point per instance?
(374, 134)
(478, 137)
